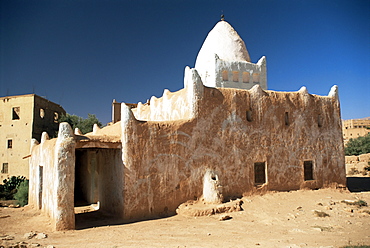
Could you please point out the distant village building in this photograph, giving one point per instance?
(22, 118)
(355, 128)
(224, 135)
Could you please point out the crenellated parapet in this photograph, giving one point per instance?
(172, 106)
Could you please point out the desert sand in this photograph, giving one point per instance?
(303, 218)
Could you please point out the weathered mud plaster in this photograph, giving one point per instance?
(65, 178)
(52, 167)
(166, 160)
(204, 142)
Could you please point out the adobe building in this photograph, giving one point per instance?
(223, 135)
(355, 128)
(22, 118)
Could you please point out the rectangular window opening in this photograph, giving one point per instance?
(308, 170)
(256, 78)
(225, 75)
(245, 77)
(259, 173)
(10, 143)
(4, 169)
(235, 76)
(16, 113)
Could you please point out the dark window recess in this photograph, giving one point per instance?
(16, 113)
(308, 170)
(259, 173)
(286, 118)
(56, 117)
(4, 169)
(249, 115)
(10, 143)
(319, 120)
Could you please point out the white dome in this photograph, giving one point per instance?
(224, 41)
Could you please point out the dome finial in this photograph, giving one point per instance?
(222, 15)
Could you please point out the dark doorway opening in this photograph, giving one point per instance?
(259, 173)
(98, 187)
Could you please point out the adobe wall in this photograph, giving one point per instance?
(166, 161)
(52, 176)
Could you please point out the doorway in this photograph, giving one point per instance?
(98, 186)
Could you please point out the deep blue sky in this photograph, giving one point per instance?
(83, 54)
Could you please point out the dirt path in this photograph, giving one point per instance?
(283, 219)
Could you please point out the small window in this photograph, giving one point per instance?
(245, 77)
(10, 143)
(259, 173)
(319, 120)
(4, 169)
(256, 78)
(249, 115)
(225, 75)
(16, 113)
(56, 117)
(308, 170)
(286, 118)
(42, 113)
(235, 76)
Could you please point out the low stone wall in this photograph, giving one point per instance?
(357, 165)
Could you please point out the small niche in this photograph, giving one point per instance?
(286, 118)
(249, 115)
(319, 121)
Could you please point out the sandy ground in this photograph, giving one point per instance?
(280, 219)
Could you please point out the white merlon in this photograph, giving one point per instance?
(96, 129)
(34, 143)
(78, 131)
(257, 90)
(65, 131)
(334, 92)
(44, 137)
(303, 90)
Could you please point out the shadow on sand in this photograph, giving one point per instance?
(100, 218)
(358, 184)
(95, 219)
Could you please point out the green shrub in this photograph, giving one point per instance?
(22, 194)
(9, 188)
(357, 146)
